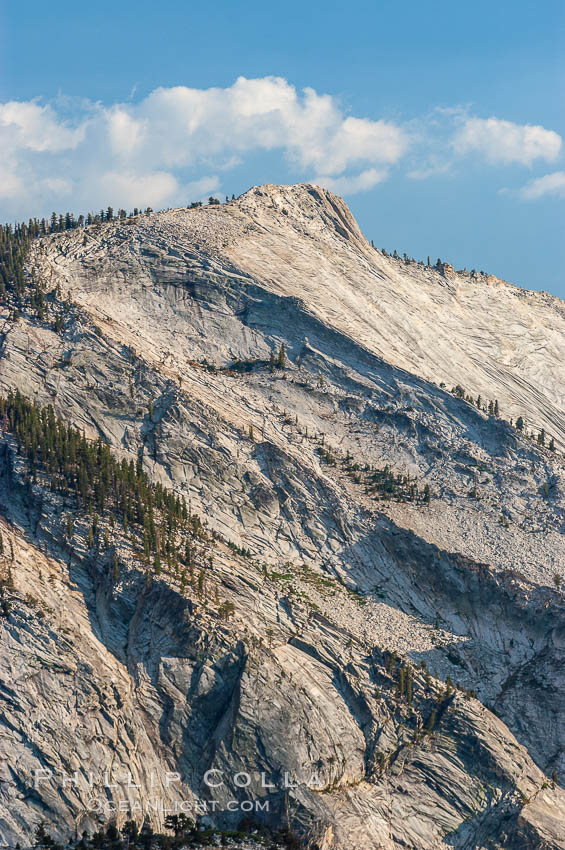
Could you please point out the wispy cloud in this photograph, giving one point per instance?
(551, 184)
(432, 168)
(351, 185)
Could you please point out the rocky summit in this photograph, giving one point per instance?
(282, 536)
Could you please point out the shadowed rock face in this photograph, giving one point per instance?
(354, 599)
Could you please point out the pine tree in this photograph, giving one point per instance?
(281, 359)
(226, 610)
(431, 722)
(42, 837)
(146, 834)
(401, 681)
(520, 423)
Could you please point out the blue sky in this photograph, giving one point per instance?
(440, 123)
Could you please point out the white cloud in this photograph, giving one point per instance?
(349, 142)
(36, 128)
(550, 184)
(148, 152)
(502, 142)
(11, 186)
(199, 190)
(351, 185)
(125, 132)
(154, 152)
(129, 189)
(58, 185)
(186, 124)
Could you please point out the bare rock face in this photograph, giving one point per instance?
(370, 650)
